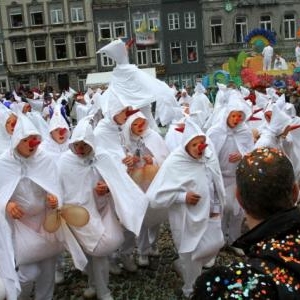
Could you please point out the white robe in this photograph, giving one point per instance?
(179, 174)
(129, 200)
(40, 171)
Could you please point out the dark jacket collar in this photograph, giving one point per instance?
(274, 226)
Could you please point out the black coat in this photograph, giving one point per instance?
(271, 269)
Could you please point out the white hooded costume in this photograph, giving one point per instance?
(149, 143)
(200, 101)
(150, 138)
(179, 174)
(49, 144)
(27, 181)
(271, 135)
(136, 88)
(226, 141)
(103, 234)
(5, 138)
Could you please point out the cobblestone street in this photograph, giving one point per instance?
(155, 282)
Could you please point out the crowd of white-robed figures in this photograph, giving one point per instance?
(102, 189)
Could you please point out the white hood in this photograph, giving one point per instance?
(23, 129)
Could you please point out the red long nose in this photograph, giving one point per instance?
(131, 112)
(13, 124)
(201, 147)
(180, 129)
(80, 150)
(141, 125)
(33, 142)
(62, 131)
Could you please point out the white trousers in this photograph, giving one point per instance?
(190, 270)
(40, 274)
(98, 274)
(143, 240)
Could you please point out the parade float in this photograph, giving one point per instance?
(247, 68)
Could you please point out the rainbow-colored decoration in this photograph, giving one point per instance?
(259, 38)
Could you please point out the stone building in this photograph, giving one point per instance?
(56, 41)
(48, 42)
(226, 23)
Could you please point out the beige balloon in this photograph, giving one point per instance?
(74, 215)
(52, 221)
(143, 176)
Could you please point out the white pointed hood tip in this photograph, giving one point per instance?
(23, 129)
(191, 130)
(57, 120)
(116, 50)
(5, 113)
(200, 88)
(83, 132)
(237, 103)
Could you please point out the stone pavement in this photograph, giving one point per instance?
(155, 282)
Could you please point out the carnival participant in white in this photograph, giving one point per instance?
(102, 234)
(232, 139)
(30, 189)
(135, 88)
(200, 101)
(8, 121)
(189, 183)
(267, 54)
(149, 150)
(57, 141)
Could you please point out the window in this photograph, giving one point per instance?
(25, 83)
(289, 23)
(173, 21)
(80, 46)
(155, 56)
(175, 48)
(104, 31)
(119, 29)
(192, 51)
(81, 83)
(141, 55)
(189, 20)
(265, 22)
(153, 20)
(1, 55)
(56, 15)
(16, 17)
(186, 80)
(39, 50)
(174, 79)
(77, 14)
(36, 16)
(240, 29)
(106, 61)
(60, 48)
(216, 26)
(138, 19)
(3, 86)
(20, 52)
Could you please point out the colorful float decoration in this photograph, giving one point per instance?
(247, 68)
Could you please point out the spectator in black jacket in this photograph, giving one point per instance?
(267, 191)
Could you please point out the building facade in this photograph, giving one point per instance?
(228, 22)
(55, 41)
(48, 42)
(3, 73)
